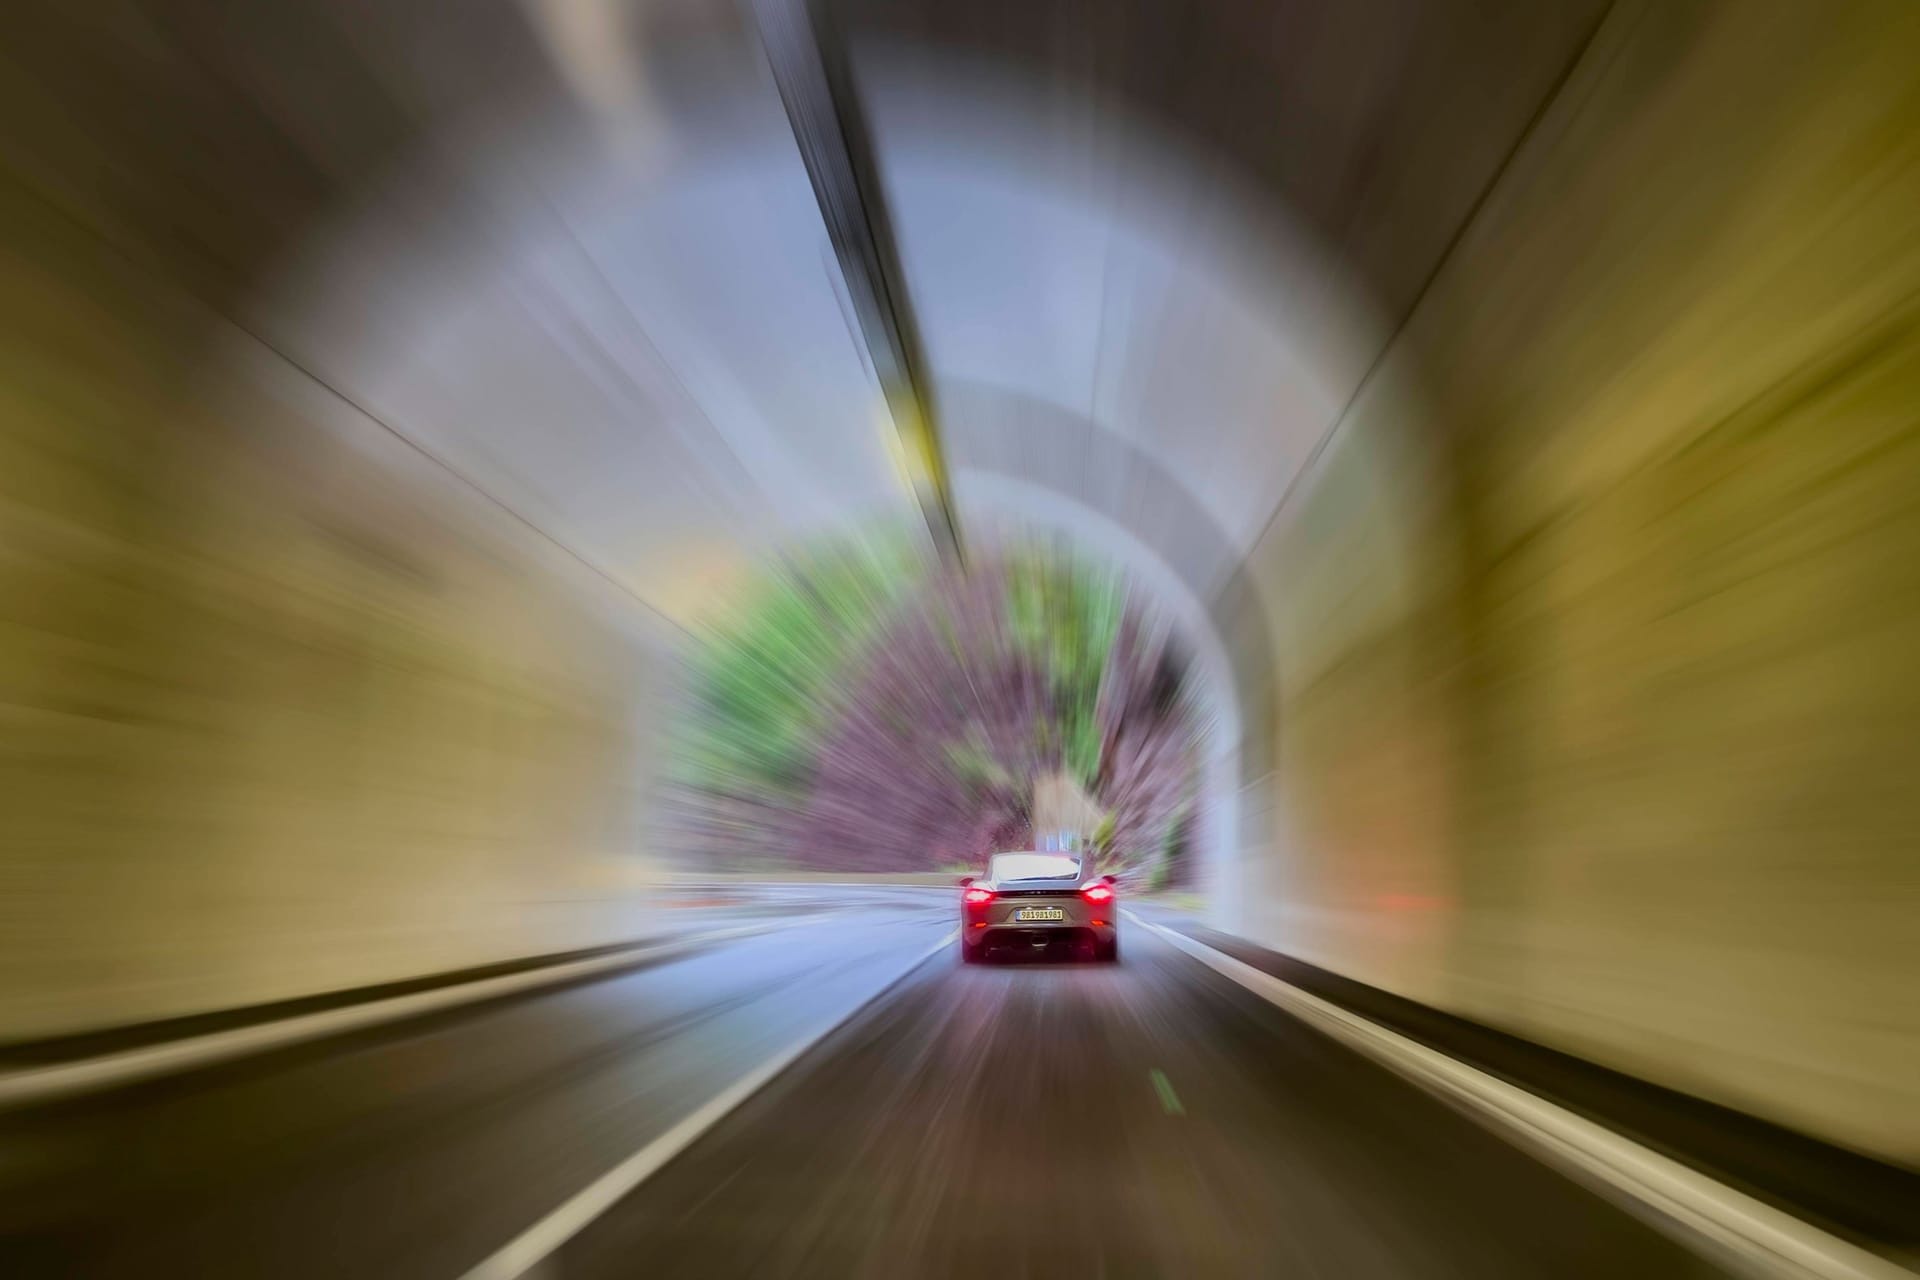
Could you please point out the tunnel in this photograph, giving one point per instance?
(1511, 406)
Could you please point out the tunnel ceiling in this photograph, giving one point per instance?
(568, 249)
(1095, 230)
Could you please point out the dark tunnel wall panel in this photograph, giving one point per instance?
(1608, 741)
(288, 708)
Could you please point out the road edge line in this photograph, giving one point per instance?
(34, 1086)
(1767, 1241)
(534, 1245)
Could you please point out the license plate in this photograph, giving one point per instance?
(1040, 913)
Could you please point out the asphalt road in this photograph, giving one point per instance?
(416, 1149)
(1145, 1119)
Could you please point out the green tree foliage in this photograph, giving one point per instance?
(1063, 616)
(769, 677)
(863, 707)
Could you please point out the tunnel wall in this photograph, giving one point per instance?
(1598, 617)
(287, 706)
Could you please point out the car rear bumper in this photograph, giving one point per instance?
(1036, 938)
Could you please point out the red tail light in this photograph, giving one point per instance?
(1097, 893)
(974, 897)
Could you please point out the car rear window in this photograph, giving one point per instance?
(1033, 866)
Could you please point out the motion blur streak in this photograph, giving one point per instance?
(1440, 483)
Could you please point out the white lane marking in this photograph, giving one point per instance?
(31, 1085)
(1764, 1241)
(527, 1250)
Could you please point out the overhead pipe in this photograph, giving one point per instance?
(807, 52)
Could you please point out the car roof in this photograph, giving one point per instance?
(1015, 865)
